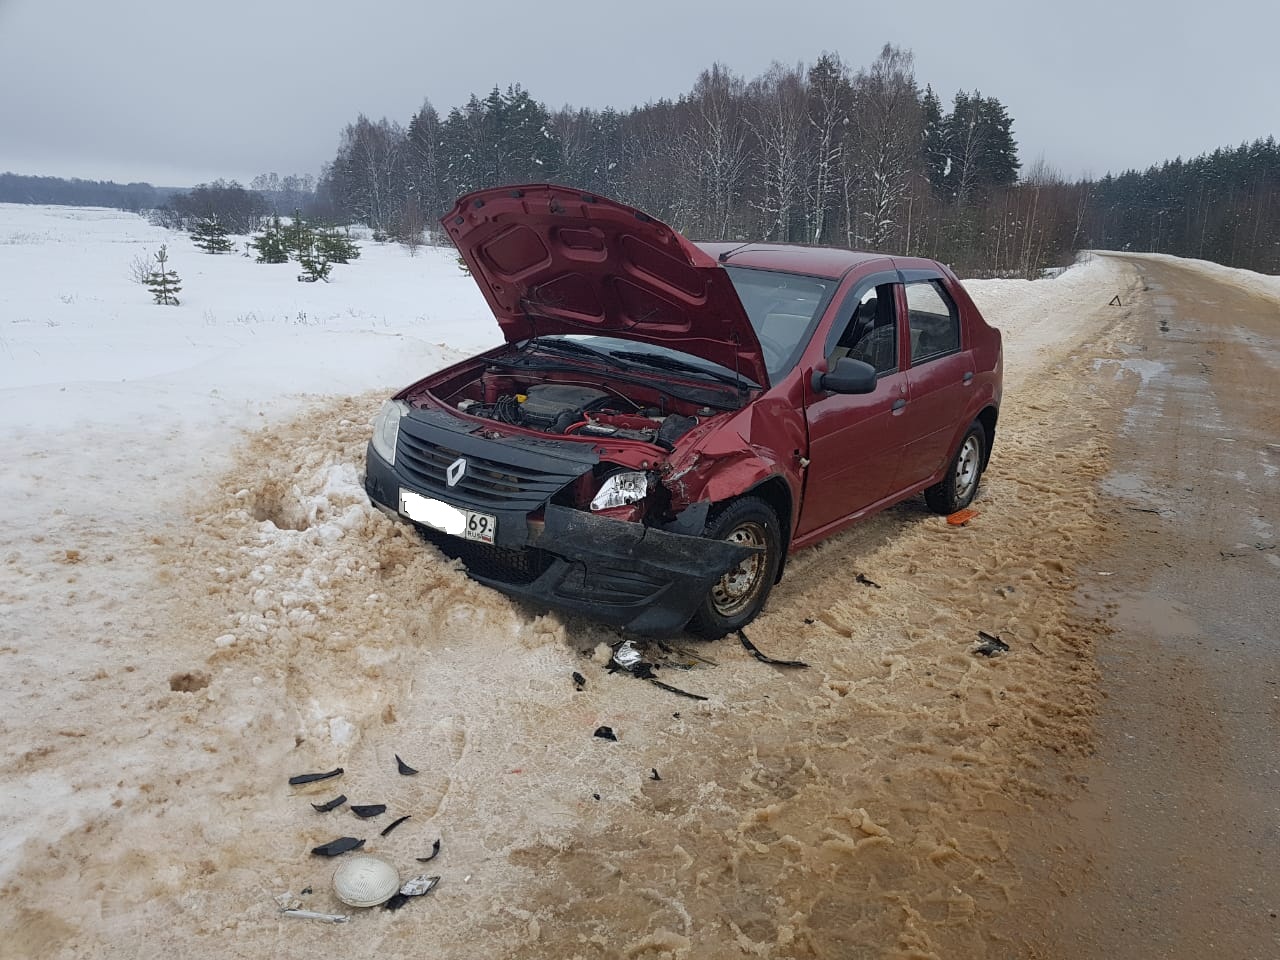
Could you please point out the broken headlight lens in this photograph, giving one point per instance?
(629, 486)
(386, 429)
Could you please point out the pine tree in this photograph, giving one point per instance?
(163, 282)
(211, 236)
(298, 236)
(315, 262)
(337, 247)
(270, 244)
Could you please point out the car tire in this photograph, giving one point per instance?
(740, 594)
(957, 488)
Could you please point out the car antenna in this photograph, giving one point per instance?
(726, 254)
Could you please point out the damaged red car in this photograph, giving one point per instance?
(667, 421)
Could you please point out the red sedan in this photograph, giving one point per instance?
(667, 420)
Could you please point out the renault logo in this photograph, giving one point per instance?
(455, 472)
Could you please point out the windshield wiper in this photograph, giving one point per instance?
(671, 363)
(573, 346)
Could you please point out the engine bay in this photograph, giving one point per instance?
(570, 408)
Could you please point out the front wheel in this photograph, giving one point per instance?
(957, 488)
(738, 596)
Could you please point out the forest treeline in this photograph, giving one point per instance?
(821, 153)
(82, 193)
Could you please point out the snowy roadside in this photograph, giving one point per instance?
(1265, 285)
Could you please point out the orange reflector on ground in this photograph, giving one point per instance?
(961, 517)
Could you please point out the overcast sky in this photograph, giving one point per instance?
(177, 93)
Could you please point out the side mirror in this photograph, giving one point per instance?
(847, 375)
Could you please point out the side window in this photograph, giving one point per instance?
(872, 332)
(933, 320)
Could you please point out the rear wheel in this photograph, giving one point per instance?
(957, 488)
(738, 596)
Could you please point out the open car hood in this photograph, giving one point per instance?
(553, 260)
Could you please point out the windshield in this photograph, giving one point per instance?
(783, 309)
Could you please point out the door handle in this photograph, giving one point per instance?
(898, 405)
(968, 377)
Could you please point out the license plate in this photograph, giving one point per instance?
(445, 516)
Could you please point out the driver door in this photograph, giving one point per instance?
(854, 440)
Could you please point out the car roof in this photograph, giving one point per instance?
(795, 258)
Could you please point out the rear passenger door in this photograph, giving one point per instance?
(939, 375)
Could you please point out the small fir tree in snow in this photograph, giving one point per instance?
(270, 243)
(315, 264)
(298, 235)
(338, 247)
(164, 283)
(211, 236)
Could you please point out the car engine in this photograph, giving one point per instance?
(564, 408)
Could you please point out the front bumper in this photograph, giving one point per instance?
(642, 579)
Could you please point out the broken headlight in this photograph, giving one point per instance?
(386, 429)
(628, 486)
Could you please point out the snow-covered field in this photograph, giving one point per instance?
(182, 531)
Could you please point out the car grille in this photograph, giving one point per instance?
(488, 480)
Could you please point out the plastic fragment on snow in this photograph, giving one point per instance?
(404, 768)
(866, 581)
(333, 804)
(991, 646)
(653, 773)
(366, 811)
(606, 733)
(579, 681)
(313, 915)
(752, 649)
(961, 517)
(435, 852)
(302, 778)
(393, 824)
(336, 847)
(676, 690)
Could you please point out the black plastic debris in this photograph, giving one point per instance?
(653, 773)
(393, 824)
(435, 852)
(306, 892)
(596, 796)
(990, 646)
(606, 733)
(866, 581)
(404, 768)
(335, 847)
(302, 778)
(676, 715)
(579, 681)
(416, 887)
(676, 690)
(809, 621)
(365, 811)
(752, 649)
(333, 804)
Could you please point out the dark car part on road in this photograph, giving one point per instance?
(579, 681)
(653, 774)
(302, 778)
(413, 887)
(393, 824)
(991, 646)
(752, 649)
(435, 852)
(866, 581)
(606, 733)
(665, 424)
(336, 847)
(404, 768)
(676, 690)
(333, 804)
(365, 811)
